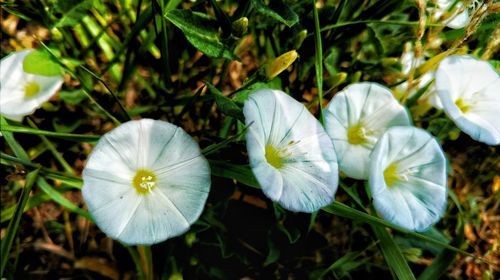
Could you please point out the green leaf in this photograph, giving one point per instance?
(39, 62)
(73, 97)
(274, 253)
(72, 11)
(226, 105)
(202, 32)
(392, 254)
(277, 10)
(240, 173)
(14, 223)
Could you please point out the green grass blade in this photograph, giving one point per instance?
(6, 243)
(70, 180)
(9, 138)
(67, 136)
(60, 199)
(319, 61)
(244, 175)
(33, 201)
(392, 254)
(345, 211)
(447, 257)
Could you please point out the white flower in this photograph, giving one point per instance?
(455, 18)
(356, 118)
(22, 93)
(145, 181)
(470, 92)
(290, 154)
(408, 178)
(407, 62)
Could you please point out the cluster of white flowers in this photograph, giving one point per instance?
(146, 180)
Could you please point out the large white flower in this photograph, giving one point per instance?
(356, 118)
(470, 92)
(290, 154)
(408, 178)
(145, 181)
(22, 93)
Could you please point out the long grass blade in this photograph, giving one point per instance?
(7, 241)
(67, 136)
(392, 254)
(319, 61)
(60, 199)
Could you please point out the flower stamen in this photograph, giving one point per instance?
(392, 175)
(463, 105)
(31, 89)
(358, 134)
(273, 156)
(144, 181)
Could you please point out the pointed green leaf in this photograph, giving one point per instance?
(39, 62)
(226, 105)
(14, 223)
(202, 32)
(392, 254)
(277, 10)
(72, 11)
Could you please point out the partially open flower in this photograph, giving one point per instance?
(408, 61)
(290, 154)
(21, 93)
(470, 92)
(145, 181)
(455, 15)
(356, 118)
(408, 178)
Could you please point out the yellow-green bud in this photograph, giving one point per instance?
(356, 77)
(280, 64)
(338, 78)
(56, 34)
(240, 27)
(299, 38)
(389, 61)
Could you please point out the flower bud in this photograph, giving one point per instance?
(240, 27)
(279, 64)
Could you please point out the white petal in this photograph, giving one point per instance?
(463, 75)
(458, 17)
(280, 121)
(13, 80)
(172, 205)
(458, 20)
(477, 83)
(370, 104)
(418, 199)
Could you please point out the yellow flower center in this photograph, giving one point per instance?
(391, 175)
(144, 181)
(357, 135)
(273, 157)
(462, 105)
(31, 89)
